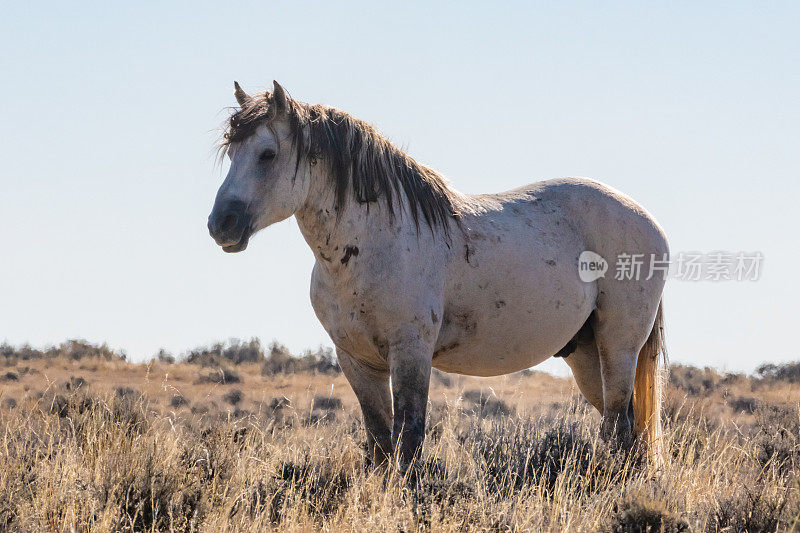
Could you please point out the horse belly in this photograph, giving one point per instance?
(512, 307)
(512, 337)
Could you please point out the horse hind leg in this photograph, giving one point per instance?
(618, 369)
(584, 360)
(619, 338)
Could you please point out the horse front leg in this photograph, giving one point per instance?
(410, 367)
(371, 387)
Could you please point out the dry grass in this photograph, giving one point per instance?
(96, 443)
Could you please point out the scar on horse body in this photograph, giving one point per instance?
(410, 274)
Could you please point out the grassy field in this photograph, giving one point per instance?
(236, 439)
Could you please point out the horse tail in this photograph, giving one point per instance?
(648, 386)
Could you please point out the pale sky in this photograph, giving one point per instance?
(109, 114)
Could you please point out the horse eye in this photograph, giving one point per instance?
(266, 155)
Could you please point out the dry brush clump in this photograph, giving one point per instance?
(109, 446)
(72, 349)
(276, 359)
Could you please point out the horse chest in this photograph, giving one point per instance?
(344, 313)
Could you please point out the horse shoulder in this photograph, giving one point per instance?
(388, 285)
(403, 276)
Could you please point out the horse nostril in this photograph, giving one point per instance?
(229, 222)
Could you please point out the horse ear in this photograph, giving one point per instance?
(279, 99)
(242, 97)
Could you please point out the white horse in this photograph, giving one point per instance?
(410, 274)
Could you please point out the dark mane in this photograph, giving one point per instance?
(361, 161)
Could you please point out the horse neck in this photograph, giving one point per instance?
(321, 225)
(327, 231)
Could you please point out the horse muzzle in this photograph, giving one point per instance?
(230, 226)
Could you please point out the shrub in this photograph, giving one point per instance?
(23, 353)
(80, 349)
(645, 514)
(234, 397)
(278, 404)
(127, 393)
(486, 405)
(221, 376)
(280, 361)
(74, 349)
(695, 381)
(178, 401)
(74, 383)
(315, 481)
(778, 436)
(744, 404)
(756, 509)
(235, 352)
(788, 372)
(153, 494)
(164, 356)
(327, 402)
(442, 378)
(517, 454)
(319, 416)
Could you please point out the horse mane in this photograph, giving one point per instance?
(360, 160)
